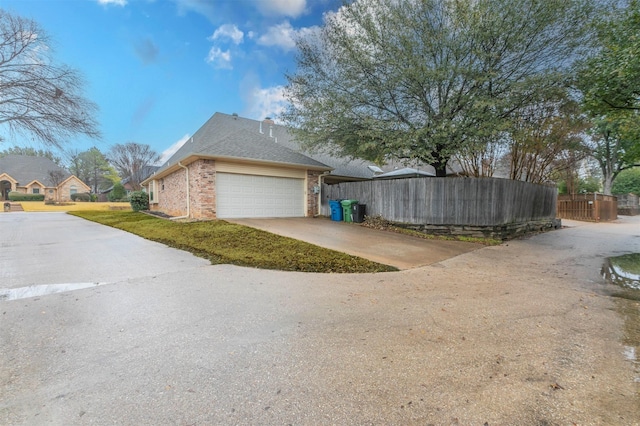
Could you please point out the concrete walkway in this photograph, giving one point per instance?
(399, 250)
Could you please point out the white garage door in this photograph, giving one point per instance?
(258, 196)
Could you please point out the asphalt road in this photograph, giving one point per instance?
(515, 334)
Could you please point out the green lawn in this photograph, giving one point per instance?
(40, 206)
(223, 242)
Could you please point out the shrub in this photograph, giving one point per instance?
(19, 196)
(628, 181)
(81, 196)
(139, 201)
(118, 193)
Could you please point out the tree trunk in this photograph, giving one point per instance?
(441, 170)
(607, 184)
(439, 162)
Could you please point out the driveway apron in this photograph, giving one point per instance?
(399, 250)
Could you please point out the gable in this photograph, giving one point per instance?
(4, 176)
(34, 183)
(74, 180)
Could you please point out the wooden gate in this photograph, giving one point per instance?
(588, 207)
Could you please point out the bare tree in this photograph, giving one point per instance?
(37, 96)
(57, 176)
(541, 137)
(132, 160)
(481, 159)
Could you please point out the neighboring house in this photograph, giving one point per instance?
(126, 182)
(404, 173)
(37, 175)
(235, 167)
(146, 171)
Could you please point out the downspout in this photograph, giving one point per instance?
(320, 192)
(186, 171)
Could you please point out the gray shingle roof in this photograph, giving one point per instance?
(229, 136)
(233, 136)
(353, 168)
(25, 169)
(406, 172)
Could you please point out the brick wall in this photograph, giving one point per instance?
(172, 194)
(203, 189)
(172, 191)
(312, 198)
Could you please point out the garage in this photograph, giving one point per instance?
(250, 196)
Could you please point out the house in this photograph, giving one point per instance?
(145, 172)
(404, 173)
(37, 175)
(235, 167)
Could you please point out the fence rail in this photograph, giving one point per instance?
(588, 207)
(449, 201)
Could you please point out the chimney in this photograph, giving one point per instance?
(269, 122)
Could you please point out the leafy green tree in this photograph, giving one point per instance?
(17, 150)
(628, 181)
(609, 79)
(118, 193)
(92, 168)
(39, 97)
(615, 145)
(423, 80)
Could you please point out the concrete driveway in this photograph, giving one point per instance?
(58, 249)
(516, 334)
(399, 250)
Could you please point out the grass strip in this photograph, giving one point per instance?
(40, 206)
(226, 243)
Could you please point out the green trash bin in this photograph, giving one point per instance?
(347, 209)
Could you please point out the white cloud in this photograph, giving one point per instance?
(116, 2)
(291, 8)
(228, 31)
(167, 153)
(219, 58)
(261, 102)
(284, 36)
(205, 8)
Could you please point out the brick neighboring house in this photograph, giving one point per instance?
(235, 167)
(37, 175)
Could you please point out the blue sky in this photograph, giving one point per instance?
(158, 69)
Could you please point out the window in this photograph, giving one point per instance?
(73, 190)
(35, 190)
(152, 191)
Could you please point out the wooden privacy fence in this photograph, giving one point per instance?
(587, 207)
(449, 201)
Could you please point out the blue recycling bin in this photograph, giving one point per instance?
(336, 210)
